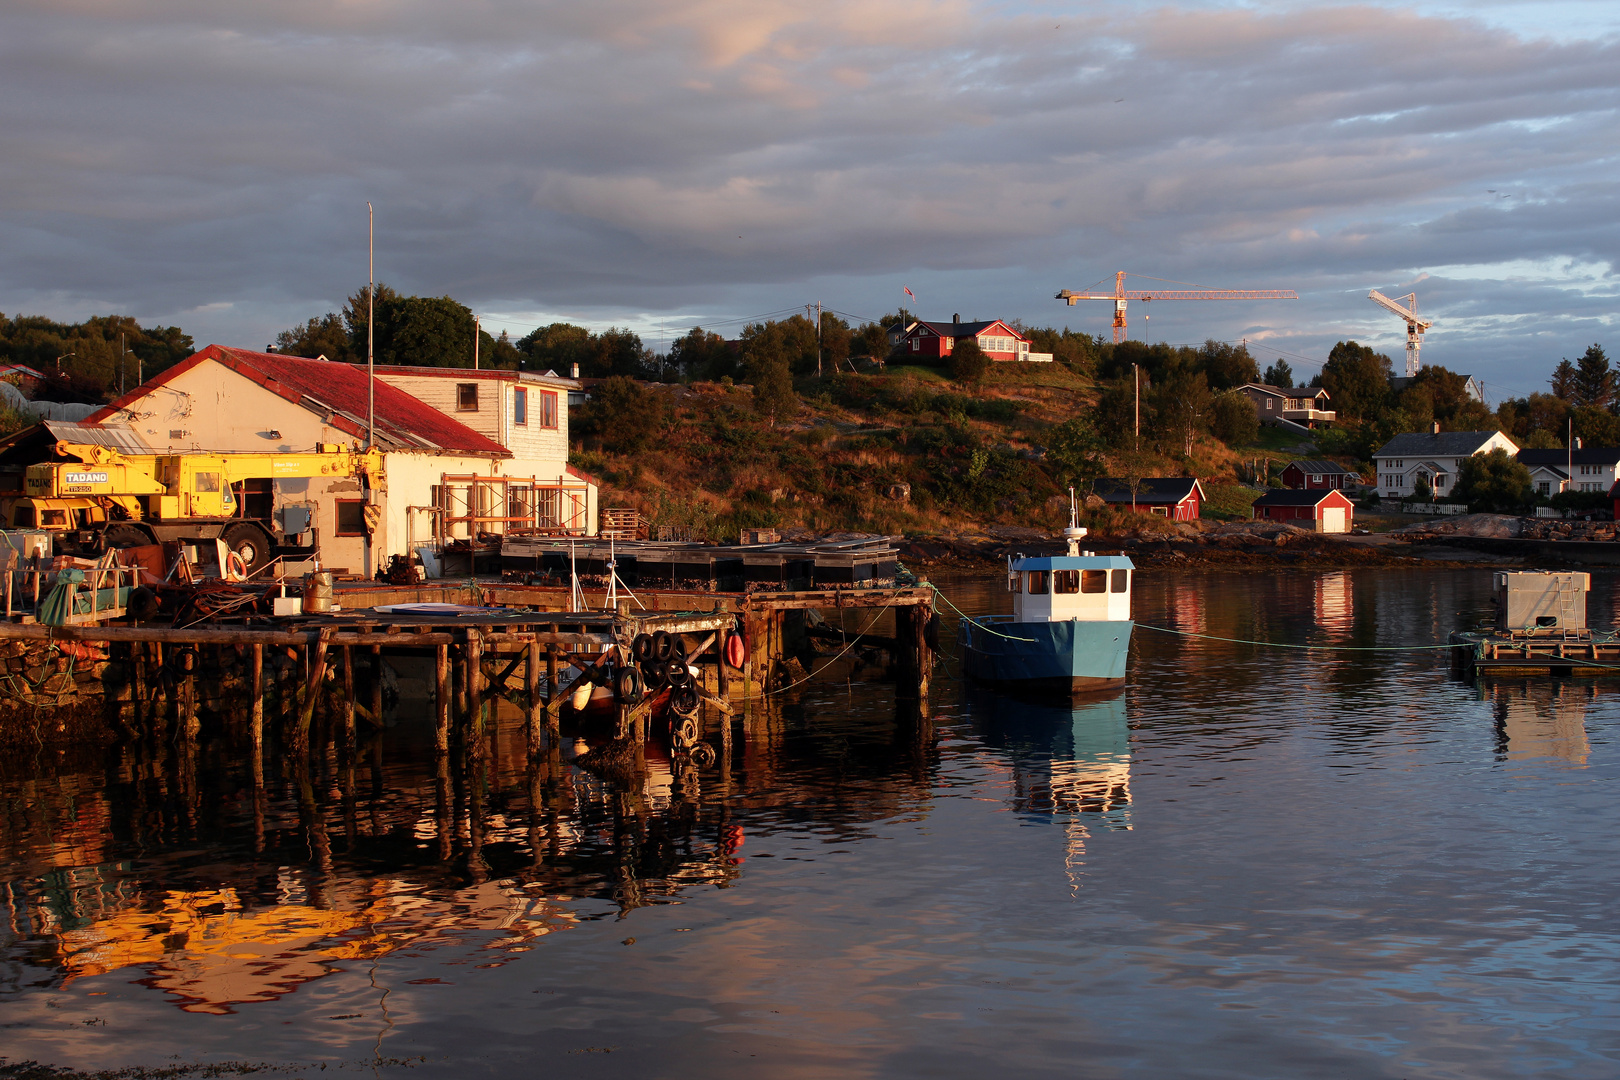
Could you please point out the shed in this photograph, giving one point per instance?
(1318, 473)
(1326, 509)
(1176, 497)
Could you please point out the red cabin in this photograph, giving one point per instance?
(933, 341)
(1325, 509)
(1175, 497)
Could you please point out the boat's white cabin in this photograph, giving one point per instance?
(1060, 588)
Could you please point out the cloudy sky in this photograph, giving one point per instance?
(659, 163)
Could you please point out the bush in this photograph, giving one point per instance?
(1233, 419)
(1496, 482)
(968, 362)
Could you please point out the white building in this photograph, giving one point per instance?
(1433, 455)
(1552, 471)
(463, 451)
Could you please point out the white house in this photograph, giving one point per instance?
(1552, 471)
(1433, 455)
(463, 451)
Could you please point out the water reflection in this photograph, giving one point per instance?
(1542, 718)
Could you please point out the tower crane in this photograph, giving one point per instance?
(1414, 326)
(1121, 295)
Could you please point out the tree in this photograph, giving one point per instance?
(1595, 426)
(557, 347)
(1116, 414)
(774, 396)
(1357, 379)
(423, 331)
(1563, 380)
(1234, 420)
(702, 355)
(1226, 365)
(1543, 440)
(1280, 374)
(1074, 450)
(623, 414)
(325, 335)
(836, 341)
(1182, 405)
(1594, 379)
(968, 362)
(870, 340)
(1496, 482)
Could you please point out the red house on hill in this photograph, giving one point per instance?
(935, 340)
(1314, 474)
(1176, 497)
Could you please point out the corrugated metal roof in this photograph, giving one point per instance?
(125, 440)
(1297, 496)
(337, 392)
(1317, 465)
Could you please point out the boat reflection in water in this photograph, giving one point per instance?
(1070, 760)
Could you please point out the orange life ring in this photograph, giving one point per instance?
(736, 650)
(235, 564)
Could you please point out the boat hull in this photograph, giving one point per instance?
(1073, 656)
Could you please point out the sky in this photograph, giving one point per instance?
(660, 164)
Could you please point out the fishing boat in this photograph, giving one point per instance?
(1071, 623)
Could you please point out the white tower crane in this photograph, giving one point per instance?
(1414, 326)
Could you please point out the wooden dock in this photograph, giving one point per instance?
(1583, 653)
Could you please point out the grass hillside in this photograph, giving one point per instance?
(906, 451)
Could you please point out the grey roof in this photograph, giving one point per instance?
(1427, 444)
(1296, 496)
(117, 436)
(1153, 490)
(962, 329)
(1315, 465)
(1536, 467)
(1288, 391)
(1596, 455)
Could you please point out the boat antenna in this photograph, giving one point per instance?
(1074, 533)
(612, 601)
(576, 602)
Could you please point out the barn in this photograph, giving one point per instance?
(1325, 509)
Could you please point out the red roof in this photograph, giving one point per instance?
(336, 391)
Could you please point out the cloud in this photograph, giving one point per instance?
(632, 157)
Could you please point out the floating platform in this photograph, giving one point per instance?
(1578, 653)
(864, 562)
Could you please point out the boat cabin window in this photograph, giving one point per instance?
(1037, 583)
(1015, 581)
(1065, 581)
(1093, 581)
(1122, 581)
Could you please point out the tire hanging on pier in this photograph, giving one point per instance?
(627, 685)
(683, 701)
(642, 648)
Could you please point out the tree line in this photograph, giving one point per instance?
(89, 361)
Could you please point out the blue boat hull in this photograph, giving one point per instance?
(1047, 655)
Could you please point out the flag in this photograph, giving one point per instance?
(909, 293)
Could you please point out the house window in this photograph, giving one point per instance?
(1269, 403)
(1316, 479)
(1162, 511)
(351, 517)
(1037, 583)
(916, 345)
(466, 397)
(1439, 481)
(548, 409)
(520, 407)
(1122, 580)
(1093, 581)
(1065, 582)
(1543, 488)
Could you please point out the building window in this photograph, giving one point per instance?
(1122, 580)
(520, 407)
(1065, 582)
(466, 397)
(548, 409)
(916, 345)
(1093, 581)
(1269, 403)
(1162, 511)
(351, 517)
(1037, 583)
(1316, 479)
(1439, 481)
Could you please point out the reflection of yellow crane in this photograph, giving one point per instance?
(1414, 326)
(1121, 295)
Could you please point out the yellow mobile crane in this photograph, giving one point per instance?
(109, 499)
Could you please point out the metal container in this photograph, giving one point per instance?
(318, 592)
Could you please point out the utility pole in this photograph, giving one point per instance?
(120, 363)
(1136, 375)
(477, 325)
(371, 327)
(818, 334)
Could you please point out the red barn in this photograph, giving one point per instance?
(1319, 474)
(1325, 509)
(1176, 497)
(933, 341)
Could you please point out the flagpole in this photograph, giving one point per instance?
(371, 335)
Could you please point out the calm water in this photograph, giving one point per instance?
(1252, 863)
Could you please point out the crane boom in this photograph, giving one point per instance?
(1121, 295)
(1414, 326)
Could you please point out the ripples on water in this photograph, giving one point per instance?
(1253, 862)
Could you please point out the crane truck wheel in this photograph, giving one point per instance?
(251, 545)
(126, 536)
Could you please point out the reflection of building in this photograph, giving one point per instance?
(1541, 720)
(213, 952)
(1334, 605)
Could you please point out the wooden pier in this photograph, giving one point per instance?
(510, 641)
(1574, 653)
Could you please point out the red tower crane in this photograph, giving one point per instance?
(1121, 294)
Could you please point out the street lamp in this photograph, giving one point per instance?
(59, 360)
